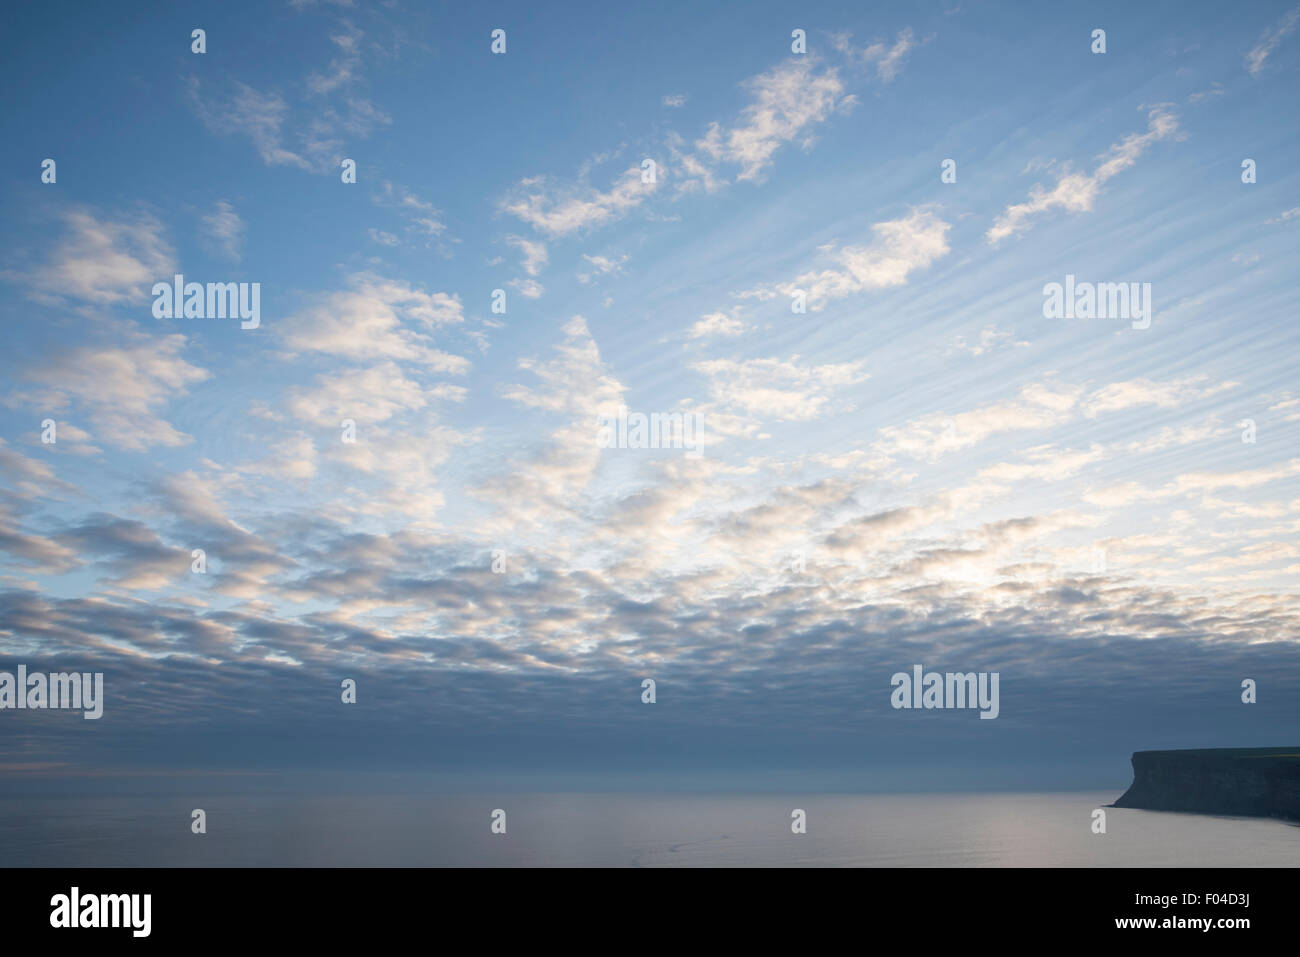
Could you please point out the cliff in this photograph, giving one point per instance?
(1254, 782)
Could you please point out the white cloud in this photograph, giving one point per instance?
(1046, 463)
(693, 173)
(422, 217)
(576, 384)
(1042, 405)
(888, 60)
(1139, 392)
(717, 324)
(601, 266)
(989, 340)
(559, 211)
(1037, 406)
(1076, 192)
(787, 100)
(373, 320)
(28, 477)
(574, 381)
(1216, 89)
(1289, 405)
(293, 458)
(1245, 478)
(369, 395)
(901, 246)
(1128, 493)
(1270, 40)
(259, 116)
(120, 389)
(102, 262)
(534, 253)
(224, 230)
(528, 288)
(321, 127)
(776, 389)
(343, 68)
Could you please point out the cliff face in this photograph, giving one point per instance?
(1255, 782)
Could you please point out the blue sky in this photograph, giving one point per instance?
(920, 468)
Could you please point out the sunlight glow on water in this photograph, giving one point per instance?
(630, 830)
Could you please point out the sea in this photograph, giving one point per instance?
(1034, 829)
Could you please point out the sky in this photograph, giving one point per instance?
(834, 263)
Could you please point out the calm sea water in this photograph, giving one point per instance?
(628, 830)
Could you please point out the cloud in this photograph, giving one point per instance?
(329, 133)
(1076, 192)
(786, 101)
(990, 339)
(901, 246)
(776, 389)
(329, 116)
(1244, 478)
(374, 558)
(248, 562)
(1289, 405)
(534, 253)
(376, 319)
(888, 60)
(369, 395)
(1216, 89)
(1048, 404)
(575, 381)
(1046, 463)
(259, 116)
(717, 324)
(674, 99)
(692, 171)
(601, 266)
(293, 457)
(545, 487)
(1139, 392)
(408, 460)
(785, 104)
(528, 288)
(1269, 41)
(1037, 406)
(224, 230)
(342, 68)
(37, 553)
(422, 218)
(1128, 493)
(102, 262)
(562, 210)
(131, 552)
(120, 389)
(28, 477)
